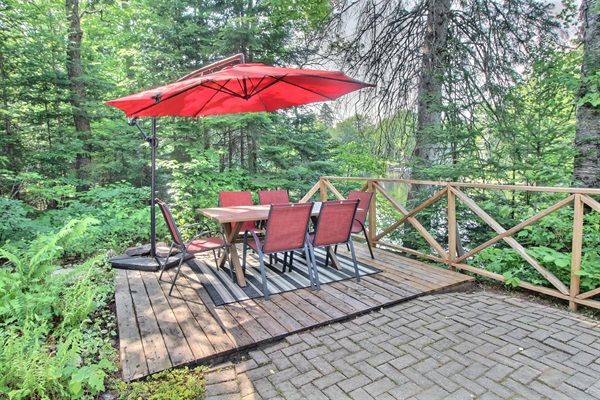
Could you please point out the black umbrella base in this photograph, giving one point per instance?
(145, 263)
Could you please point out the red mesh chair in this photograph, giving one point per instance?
(268, 197)
(334, 227)
(208, 240)
(286, 231)
(273, 197)
(231, 199)
(361, 214)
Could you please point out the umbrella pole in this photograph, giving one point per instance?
(153, 145)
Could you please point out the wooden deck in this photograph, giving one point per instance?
(158, 331)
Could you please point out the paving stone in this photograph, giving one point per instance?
(315, 352)
(259, 356)
(581, 381)
(525, 374)
(334, 392)
(378, 387)
(496, 388)
(305, 378)
(322, 366)
(499, 372)
(222, 388)
(361, 393)
(350, 384)
(280, 360)
(310, 391)
(220, 375)
(405, 391)
(265, 388)
(245, 385)
(345, 368)
(285, 375)
(434, 392)
(329, 380)
(245, 366)
(468, 384)
(296, 348)
(371, 372)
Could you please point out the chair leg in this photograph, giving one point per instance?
(309, 266)
(311, 250)
(354, 259)
(177, 273)
(368, 244)
(164, 266)
(263, 275)
(215, 256)
(291, 264)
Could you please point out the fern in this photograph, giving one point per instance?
(43, 317)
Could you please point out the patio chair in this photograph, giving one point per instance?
(286, 231)
(208, 240)
(334, 227)
(361, 214)
(268, 197)
(231, 199)
(273, 197)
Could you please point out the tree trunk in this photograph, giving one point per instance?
(429, 114)
(587, 133)
(77, 88)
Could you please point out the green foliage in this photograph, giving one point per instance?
(182, 384)
(46, 312)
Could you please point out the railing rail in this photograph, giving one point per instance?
(447, 252)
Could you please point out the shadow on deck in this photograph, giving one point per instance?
(158, 331)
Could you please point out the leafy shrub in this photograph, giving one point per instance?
(14, 223)
(45, 319)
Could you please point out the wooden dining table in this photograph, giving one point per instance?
(232, 219)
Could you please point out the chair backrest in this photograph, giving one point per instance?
(231, 199)
(286, 227)
(334, 225)
(273, 197)
(171, 225)
(365, 201)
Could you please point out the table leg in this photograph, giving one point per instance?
(232, 235)
(334, 260)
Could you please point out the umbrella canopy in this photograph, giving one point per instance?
(239, 88)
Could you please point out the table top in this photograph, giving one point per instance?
(243, 213)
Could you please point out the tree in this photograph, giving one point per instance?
(77, 87)
(439, 57)
(587, 136)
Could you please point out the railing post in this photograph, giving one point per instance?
(372, 211)
(323, 189)
(451, 227)
(576, 249)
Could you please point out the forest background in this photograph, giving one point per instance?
(479, 91)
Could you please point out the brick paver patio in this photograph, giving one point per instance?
(481, 345)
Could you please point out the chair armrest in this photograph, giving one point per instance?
(254, 235)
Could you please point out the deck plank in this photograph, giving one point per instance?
(130, 340)
(215, 334)
(155, 349)
(197, 340)
(175, 341)
(158, 331)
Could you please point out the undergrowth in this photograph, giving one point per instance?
(53, 340)
(181, 384)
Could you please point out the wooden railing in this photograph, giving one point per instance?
(446, 253)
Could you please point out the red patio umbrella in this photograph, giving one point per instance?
(233, 89)
(237, 89)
